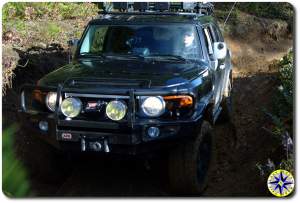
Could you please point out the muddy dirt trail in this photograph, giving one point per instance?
(239, 147)
(240, 144)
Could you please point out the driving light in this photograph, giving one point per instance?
(153, 106)
(153, 132)
(116, 110)
(71, 107)
(51, 100)
(39, 96)
(43, 125)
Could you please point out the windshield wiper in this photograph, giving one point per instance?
(167, 56)
(89, 54)
(126, 56)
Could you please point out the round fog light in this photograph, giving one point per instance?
(153, 132)
(71, 107)
(43, 125)
(116, 110)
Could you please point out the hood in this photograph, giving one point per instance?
(156, 73)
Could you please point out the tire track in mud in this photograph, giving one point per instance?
(236, 172)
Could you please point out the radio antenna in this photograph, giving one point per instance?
(229, 13)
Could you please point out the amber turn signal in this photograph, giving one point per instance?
(183, 100)
(38, 95)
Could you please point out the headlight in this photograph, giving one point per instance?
(153, 106)
(51, 100)
(71, 107)
(116, 110)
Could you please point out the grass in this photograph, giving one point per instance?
(37, 10)
(52, 30)
(283, 108)
(15, 179)
(46, 22)
(15, 25)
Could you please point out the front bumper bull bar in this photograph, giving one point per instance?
(122, 138)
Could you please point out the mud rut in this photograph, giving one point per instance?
(240, 145)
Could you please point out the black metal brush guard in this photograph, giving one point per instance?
(132, 93)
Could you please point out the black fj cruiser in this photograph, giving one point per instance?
(139, 81)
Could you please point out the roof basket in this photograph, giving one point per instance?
(157, 8)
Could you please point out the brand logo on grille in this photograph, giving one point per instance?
(92, 106)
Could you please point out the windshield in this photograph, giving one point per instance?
(142, 40)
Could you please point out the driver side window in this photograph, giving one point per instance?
(98, 40)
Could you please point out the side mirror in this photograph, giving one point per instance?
(72, 44)
(220, 50)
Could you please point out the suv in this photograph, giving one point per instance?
(139, 82)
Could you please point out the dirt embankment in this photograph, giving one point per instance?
(28, 57)
(255, 44)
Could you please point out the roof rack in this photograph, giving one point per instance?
(157, 8)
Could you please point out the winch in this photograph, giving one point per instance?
(94, 145)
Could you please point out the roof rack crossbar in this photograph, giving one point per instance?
(156, 8)
(152, 13)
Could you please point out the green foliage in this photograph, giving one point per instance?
(222, 11)
(45, 22)
(286, 77)
(53, 10)
(52, 30)
(20, 25)
(14, 180)
(278, 10)
(10, 10)
(283, 111)
(288, 165)
(274, 10)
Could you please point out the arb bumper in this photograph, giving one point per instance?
(135, 135)
(83, 136)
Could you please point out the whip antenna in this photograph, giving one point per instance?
(229, 13)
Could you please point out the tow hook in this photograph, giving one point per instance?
(83, 147)
(106, 147)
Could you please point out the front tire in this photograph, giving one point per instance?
(191, 163)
